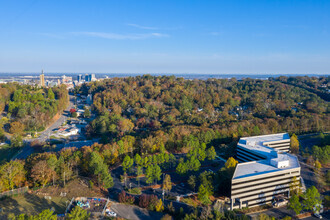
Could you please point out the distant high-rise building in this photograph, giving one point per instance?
(87, 78)
(42, 79)
(90, 77)
(93, 78)
(80, 78)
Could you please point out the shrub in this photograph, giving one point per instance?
(123, 198)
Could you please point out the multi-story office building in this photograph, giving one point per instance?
(265, 171)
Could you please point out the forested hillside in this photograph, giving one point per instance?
(172, 111)
(31, 108)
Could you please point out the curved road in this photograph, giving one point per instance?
(27, 149)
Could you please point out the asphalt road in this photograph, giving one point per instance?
(44, 135)
(27, 149)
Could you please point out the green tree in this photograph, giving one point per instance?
(149, 174)
(203, 195)
(192, 182)
(46, 215)
(211, 154)
(138, 159)
(181, 168)
(312, 198)
(51, 94)
(87, 113)
(78, 213)
(294, 144)
(139, 172)
(157, 173)
(127, 163)
(74, 114)
(294, 204)
(16, 141)
(100, 169)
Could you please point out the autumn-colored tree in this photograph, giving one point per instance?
(167, 184)
(231, 163)
(12, 174)
(16, 128)
(42, 173)
(159, 206)
(125, 125)
(294, 144)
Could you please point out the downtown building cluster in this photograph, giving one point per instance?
(265, 170)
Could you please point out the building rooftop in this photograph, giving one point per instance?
(257, 143)
(275, 160)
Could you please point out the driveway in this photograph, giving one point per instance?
(134, 212)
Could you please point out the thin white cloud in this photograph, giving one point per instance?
(57, 36)
(215, 33)
(142, 27)
(114, 36)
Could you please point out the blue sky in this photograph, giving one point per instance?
(258, 37)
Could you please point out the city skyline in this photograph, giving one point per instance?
(218, 37)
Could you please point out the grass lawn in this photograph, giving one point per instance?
(7, 152)
(31, 204)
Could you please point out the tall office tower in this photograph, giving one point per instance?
(86, 78)
(42, 79)
(79, 78)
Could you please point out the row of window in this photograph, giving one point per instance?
(287, 180)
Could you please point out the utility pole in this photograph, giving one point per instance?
(163, 193)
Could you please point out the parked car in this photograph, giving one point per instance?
(111, 214)
(280, 203)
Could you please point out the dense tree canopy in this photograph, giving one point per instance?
(167, 110)
(31, 106)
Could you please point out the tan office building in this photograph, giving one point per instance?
(265, 171)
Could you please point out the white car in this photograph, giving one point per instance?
(112, 214)
(317, 215)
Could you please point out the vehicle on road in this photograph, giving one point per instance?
(317, 215)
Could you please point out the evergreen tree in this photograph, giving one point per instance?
(78, 213)
(203, 195)
(211, 154)
(294, 204)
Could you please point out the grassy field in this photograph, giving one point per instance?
(31, 204)
(7, 152)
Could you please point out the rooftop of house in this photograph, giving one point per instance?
(275, 160)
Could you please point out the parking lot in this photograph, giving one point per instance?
(134, 212)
